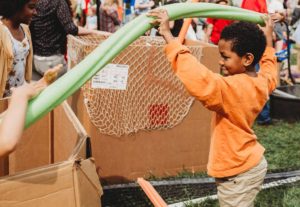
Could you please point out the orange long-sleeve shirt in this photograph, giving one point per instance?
(235, 101)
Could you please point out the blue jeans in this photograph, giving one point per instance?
(264, 116)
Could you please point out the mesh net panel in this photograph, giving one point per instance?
(154, 97)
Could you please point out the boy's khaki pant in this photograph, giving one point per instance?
(241, 190)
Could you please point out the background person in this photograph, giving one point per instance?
(49, 29)
(15, 44)
(109, 20)
(215, 26)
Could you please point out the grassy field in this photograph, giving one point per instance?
(282, 143)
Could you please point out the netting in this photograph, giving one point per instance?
(154, 97)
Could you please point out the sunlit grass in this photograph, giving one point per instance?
(282, 143)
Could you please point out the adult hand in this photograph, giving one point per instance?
(28, 90)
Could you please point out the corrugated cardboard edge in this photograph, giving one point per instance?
(85, 182)
(78, 127)
(85, 171)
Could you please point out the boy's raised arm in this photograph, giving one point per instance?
(268, 63)
(199, 81)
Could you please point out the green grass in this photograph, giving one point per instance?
(182, 174)
(282, 143)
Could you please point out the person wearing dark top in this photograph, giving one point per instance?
(296, 15)
(49, 30)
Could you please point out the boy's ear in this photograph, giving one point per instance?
(248, 59)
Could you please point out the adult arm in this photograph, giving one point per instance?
(12, 125)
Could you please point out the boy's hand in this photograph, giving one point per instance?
(161, 18)
(268, 30)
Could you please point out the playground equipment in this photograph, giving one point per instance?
(60, 90)
(154, 118)
(102, 55)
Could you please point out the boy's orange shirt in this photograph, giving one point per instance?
(235, 101)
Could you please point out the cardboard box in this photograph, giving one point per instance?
(62, 177)
(149, 153)
(72, 183)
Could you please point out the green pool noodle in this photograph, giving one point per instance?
(70, 82)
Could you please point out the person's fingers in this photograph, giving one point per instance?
(157, 12)
(156, 21)
(39, 85)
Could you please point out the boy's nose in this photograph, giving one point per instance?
(221, 62)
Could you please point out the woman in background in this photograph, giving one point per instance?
(109, 20)
(15, 44)
(49, 29)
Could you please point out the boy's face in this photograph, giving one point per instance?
(230, 62)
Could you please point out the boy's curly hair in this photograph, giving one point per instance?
(246, 38)
(8, 8)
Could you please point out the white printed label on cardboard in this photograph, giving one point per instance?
(112, 76)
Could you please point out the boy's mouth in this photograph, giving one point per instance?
(224, 71)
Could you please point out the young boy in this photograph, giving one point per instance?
(236, 158)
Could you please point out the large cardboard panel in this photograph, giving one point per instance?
(146, 153)
(70, 184)
(34, 149)
(158, 153)
(69, 135)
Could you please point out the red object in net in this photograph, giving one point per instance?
(158, 114)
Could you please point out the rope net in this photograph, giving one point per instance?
(154, 97)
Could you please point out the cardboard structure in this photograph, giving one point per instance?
(153, 153)
(48, 166)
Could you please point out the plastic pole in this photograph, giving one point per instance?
(64, 87)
